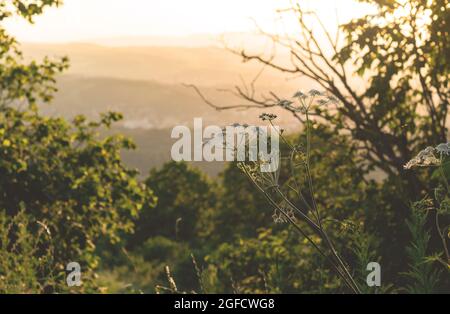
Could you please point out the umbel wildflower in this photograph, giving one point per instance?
(316, 99)
(443, 149)
(267, 180)
(267, 117)
(306, 210)
(430, 156)
(280, 218)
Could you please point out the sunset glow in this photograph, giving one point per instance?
(79, 20)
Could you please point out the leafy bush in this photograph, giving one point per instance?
(58, 174)
(185, 200)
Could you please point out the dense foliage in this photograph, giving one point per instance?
(66, 196)
(63, 187)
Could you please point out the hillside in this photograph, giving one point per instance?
(146, 85)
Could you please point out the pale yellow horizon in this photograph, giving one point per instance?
(89, 20)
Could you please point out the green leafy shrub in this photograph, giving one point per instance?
(59, 174)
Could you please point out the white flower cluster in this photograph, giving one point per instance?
(430, 156)
(302, 104)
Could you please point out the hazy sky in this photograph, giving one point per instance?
(80, 20)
